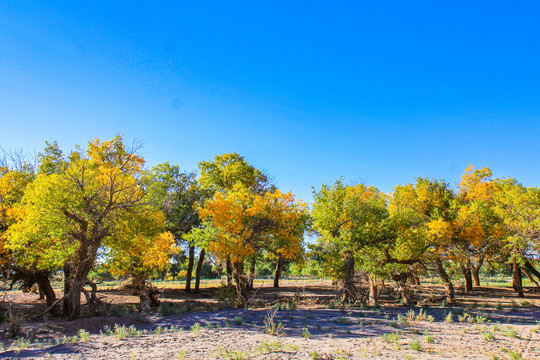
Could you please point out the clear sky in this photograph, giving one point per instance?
(381, 91)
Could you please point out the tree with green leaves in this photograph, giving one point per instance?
(352, 222)
(177, 194)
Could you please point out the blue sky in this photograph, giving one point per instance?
(380, 91)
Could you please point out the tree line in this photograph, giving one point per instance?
(100, 208)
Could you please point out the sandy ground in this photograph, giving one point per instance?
(498, 326)
(308, 334)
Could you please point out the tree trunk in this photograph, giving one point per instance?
(448, 286)
(414, 278)
(277, 272)
(476, 271)
(373, 292)
(516, 279)
(526, 272)
(476, 276)
(466, 270)
(198, 270)
(229, 271)
(72, 302)
(348, 289)
(241, 283)
(251, 275)
(78, 276)
(67, 287)
(47, 290)
(402, 289)
(190, 267)
(532, 269)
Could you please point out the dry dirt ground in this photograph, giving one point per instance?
(492, 324)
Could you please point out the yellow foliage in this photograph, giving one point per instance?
(248, 222)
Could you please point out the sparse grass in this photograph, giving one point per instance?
(266, 347)
(231, 354)
(449, 318)
(305, 333)
(291, 347)
(488, 336)
(122, 331)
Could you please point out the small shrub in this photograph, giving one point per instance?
(226, 295)
(514, 355)
(480, 319)
(410, 315)
(391, 337)
(291, 347)
(196, 328)
(511, 332)
(415, 345)
(305, 333)
(429, 339)
(449, 318)
(462, 318)
(270, 324)
(267, 347)
(421, 316)
(238, 320)
(83, 335)
(342, 320)
(231, 354)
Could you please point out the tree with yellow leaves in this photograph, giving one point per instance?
(426, 208)
(248, 223)
(477, 228)
(66, 217)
